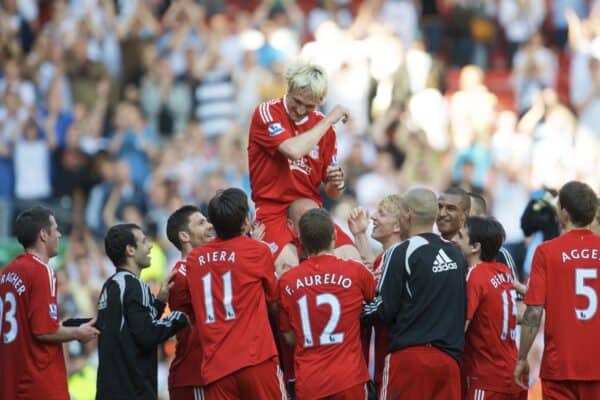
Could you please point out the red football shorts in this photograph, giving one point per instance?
(420, 372)
(570, 390)
(242, 384)
(482, 394)
(357, 392)
(278, 234)
(381, 350)
(185, 393)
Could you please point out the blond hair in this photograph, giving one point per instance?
(392, 204)
(308, 77)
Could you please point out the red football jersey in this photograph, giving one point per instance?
(565, 279)
(381, 335)
(188, 352)
(490, 349)
(29, 368)
(230, 282)
(321, 301)
(275, 180)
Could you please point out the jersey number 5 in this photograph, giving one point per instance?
(581, 289)
(328, 336)
(7, 316)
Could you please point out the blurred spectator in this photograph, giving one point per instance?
(84, 74)
(214, 94)
(382, 181)
(165, 101)
(133, 141)
(420, 70)
(11, 81)
(535, 68)
(32, 165)
(472, 109)
(126, 200)
(520, 19)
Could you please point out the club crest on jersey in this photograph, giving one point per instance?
(275, 129)
(314, 152)
(53, 311)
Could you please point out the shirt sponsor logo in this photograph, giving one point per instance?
(300, 165)
(275, 129)
(443, 263)
(53, 311)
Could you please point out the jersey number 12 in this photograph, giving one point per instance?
(328, 336)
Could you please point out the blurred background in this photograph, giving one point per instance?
(124, 110)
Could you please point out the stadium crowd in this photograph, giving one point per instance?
(123, 111)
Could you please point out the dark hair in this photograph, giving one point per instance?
(580, 201)
(488, 232)
(316, 230)
(227, 211)
(465, 199)
(178, 221)
(116, 241)
(30, 222)
(479, 202)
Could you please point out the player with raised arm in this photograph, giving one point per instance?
(491, 327)
(231, 280)
(422, 300)
(187, 228)
(32, 364)
(564, 282)
(292, 151)
(388, 229)
(321, 302)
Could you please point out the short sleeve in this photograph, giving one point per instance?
(284, 317)
(43, 303)
(269, 128)
(368, 283)
(474, 294)
(268, 274)
(330, 153)
(179, 294)
(536, 292)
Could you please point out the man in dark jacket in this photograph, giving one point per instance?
(128, 318)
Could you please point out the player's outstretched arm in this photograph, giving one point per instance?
(84, 333)
(298, 146)
(148, 331)
(529, 329)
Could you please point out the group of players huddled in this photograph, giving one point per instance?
(287, 304)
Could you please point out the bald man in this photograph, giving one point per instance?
(344, 248)
(422, 300)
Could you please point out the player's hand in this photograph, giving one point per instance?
(163, 293)
(521, 374)
(358, 221)
(377, 274)
(257, 231)
(87, 331)
(338, 113)
(335, 176)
